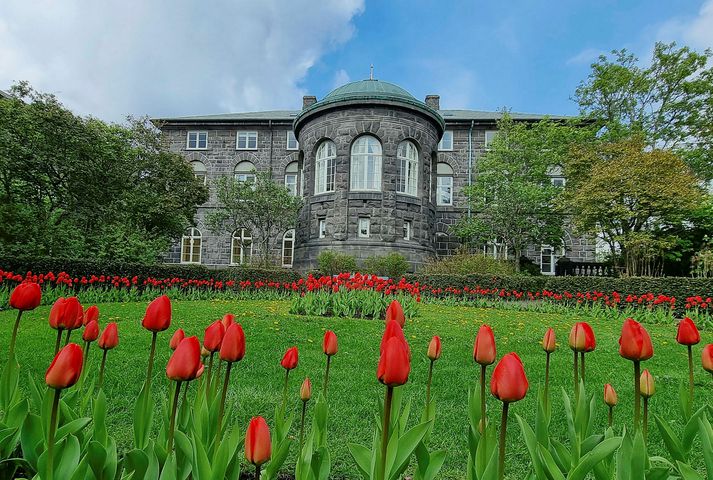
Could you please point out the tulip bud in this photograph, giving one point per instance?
(610, 397)
(228, 320)
(178, 335)
(548, 341)
(289, 360)
(92, 313)
(233, 347)
(65, 368)
(395, 312)
(26, 296)
(78, 321)
(158, 315)
(185, 362)
(214, 336)
(306, 390)
(581, 338)
(484, 347)
(63, 314)
(394, 363)
(707, 358)
(648, 388)
(635, 342)
(508, 382)
(434, 348)
(687, 332)
(91, 331)
(258, 446)
(204, 352)
(329, 345)
(110, 337)
(393, 329)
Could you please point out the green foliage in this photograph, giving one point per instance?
(467, 263)
(392, 265)
(351, 304)
(332, 263)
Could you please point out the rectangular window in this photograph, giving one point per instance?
(322, 228)
(547, 260)
(446, 143)
(444, 191)
(197, 141)
(407, 230)
(558, 181)
(292, 141)
(489, 137)
(247, 141)
(364, 227)
(291, 183)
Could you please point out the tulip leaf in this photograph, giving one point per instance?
(169, 469)
(407, 444)
(531, 444)
(435, 464)
(321, 464)
(673, 445)
(362, 456)
(549, 464)
(99, 418)
(598, 453)
(706, 435)
(691, 430)
(136, 462)
(561, 455)
(684, 401)
(72, 428)
(639, 457)
(96, 457)
(143, 417)
(32, 439)
(687, 472)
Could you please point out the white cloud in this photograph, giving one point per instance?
(696, 32)
(166, 57)
(585, 57)
(340, 78)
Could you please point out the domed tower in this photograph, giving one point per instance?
(368, 154)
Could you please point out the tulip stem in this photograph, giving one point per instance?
(690, 373)
(302, 425)
(172, 425)
(57, 343)
(53, 430)
(385, 431)
(151, 359)
(428, 384)
(208, 378)
(503, 431)
(257, 472)
(611, 415)
(14, 336)
(101, 370)
(576, 378)
(326, 377)
(637, 394)
(582, 365)
(547, 380)
(222, 399)
(482, 400)
(284, 393)
(646, 419)
(66, 340)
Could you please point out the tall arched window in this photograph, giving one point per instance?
(366, 164)
(292, 178)
(444, 184)
(245, 172)
(191, 246)
(325, 167)
(241, 250)
(288, 248)
(199, 171)
(407, 181)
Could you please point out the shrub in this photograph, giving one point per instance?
(333, 263)
(466, 264)
(393, 265)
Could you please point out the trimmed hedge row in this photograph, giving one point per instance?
(87, 268)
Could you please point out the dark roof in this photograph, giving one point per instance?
(4, 94)
(371, 88)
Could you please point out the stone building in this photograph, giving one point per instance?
(379, 171)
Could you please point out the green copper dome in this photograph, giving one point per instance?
(369, 89)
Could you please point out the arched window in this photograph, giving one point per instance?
(191, 246)
(241, 250)
(245, 172)
(292, 178)
(366, 164)
(408, 168)
(444, 184)
(199, 171)
(288, 248)
(325, 167)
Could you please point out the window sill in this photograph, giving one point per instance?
(247, 149)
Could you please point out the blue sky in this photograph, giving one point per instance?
(185, 57)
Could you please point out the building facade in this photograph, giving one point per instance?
(379, 172)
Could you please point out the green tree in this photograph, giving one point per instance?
(669, 104)
(263, 206)
(512, 200)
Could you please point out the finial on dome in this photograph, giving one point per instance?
(371, 72)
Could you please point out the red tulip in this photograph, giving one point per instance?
(91, 331)
(65, 368)
(158, 315)
(228, 320)
(214, 336)
(110, 337)
(395, 312)
(26, 296)
(394, 363)
(393, 329)
(258, 446)
(233, 347)
(581, 338)
(484, 347)
(434, 348)
(548, 341)
(92, 313)
(509, 383)
(176, 338)
(329, 345)
(185, 363)
(707, 358)
(306, 390)
(648, 387)
(610, 397)
(289, 360)
(687, 332)
(79, 320)
(63, 314)
(635, 342)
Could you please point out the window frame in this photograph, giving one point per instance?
(359, 175)
(553, 179)
(245, 173)
(191, 237)
(248, 134)
(552, 261)
(408, 229)
(321, 228)
(198, 134)
(441, 147)
(285, 239)
(439, 177)
(325, 166)
(197, 172)
(242, 237)
(487, 143)
(368, 227)
(293, 174)
(410, 179)
(291, 133)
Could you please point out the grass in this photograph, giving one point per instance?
(354, 390)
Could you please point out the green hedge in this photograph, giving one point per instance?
(79, 268)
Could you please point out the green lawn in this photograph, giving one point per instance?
(257, 380)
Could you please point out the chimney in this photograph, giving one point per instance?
(308, 100)
(433, 101)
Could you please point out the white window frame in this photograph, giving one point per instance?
(292, 178)
(552, 261)
(407, 229)
(443, 147)
(289, 236)
(248, 135)
(444, 181)
(325, 168)
(322, 228)
(191, 235)
(489, 137)
(407, 157)
(245, 234)
(364, 221)
(200, 172)
(556, 178)
(291, 136)
(365, 167)
(243, 175)
(197, 140)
